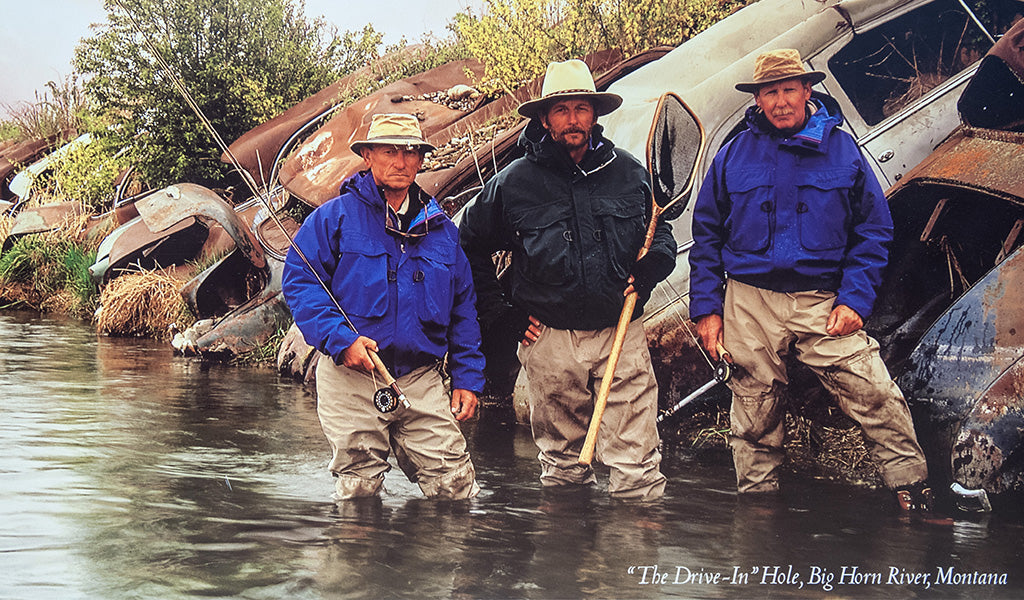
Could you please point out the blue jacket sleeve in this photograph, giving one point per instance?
(316, 315)
(868, 246)
(465, 359)
(707, 274)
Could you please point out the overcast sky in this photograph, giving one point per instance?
(39, 36)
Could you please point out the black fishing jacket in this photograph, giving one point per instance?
(573, 230)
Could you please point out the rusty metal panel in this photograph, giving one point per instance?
(963, 381)
(990, 437)
(164, 209)
(45, 217)
(258, 147)
(317, 167)
(980, 159)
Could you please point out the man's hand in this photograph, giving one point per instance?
(843, 320)
(355, 356)
(463, 404)
(630, 288)
(709, 329)
(532, 332)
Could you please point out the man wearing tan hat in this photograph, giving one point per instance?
(573, 213)
(391, 259)
(791, 230)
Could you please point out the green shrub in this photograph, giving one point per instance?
(516, 39)
(88, 174)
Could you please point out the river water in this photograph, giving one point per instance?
(127, 472)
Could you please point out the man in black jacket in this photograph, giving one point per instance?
(573, 212)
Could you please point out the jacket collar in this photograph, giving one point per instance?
(363, 187)
(541, 148)
(815, 130)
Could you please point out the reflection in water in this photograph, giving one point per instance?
(126, 472)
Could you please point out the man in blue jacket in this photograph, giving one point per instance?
(573, 212)
(392, 260)
(791, 230)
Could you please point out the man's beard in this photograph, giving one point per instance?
(563, 138)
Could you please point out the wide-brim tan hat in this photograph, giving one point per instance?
(570, 79)
(393, 129)
(776, 65)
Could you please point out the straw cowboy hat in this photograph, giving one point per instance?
(394, 129)
(776, 65)
(569, 79)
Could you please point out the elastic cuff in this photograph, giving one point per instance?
(353, 486)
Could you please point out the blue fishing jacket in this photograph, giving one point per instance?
(412, 294)
(790, 214)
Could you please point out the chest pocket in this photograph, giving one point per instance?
(622, 230)
(752, 212)
(546, 240)
(432, 282)
(361, 279)
(823, 207)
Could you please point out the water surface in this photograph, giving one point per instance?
(127, 472)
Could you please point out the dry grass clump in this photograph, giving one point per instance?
(836, 453)
(143, 304)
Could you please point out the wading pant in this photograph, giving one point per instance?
(428, 444)
(564, 369)
(760, 327)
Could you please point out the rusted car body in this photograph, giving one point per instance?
(951, 316)
(237, 300)
(958, 274)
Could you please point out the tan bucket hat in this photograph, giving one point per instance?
(570, 79)
(395, 129)
(776, 65)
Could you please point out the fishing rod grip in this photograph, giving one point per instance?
(389, 380)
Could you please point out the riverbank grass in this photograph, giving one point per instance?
(50, 271)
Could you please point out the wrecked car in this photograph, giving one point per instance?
(12, 157)
(951, 312)
(184, 223)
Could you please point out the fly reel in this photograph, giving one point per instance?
(385, 400)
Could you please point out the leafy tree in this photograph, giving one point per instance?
(243, 62)
(516, 39)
